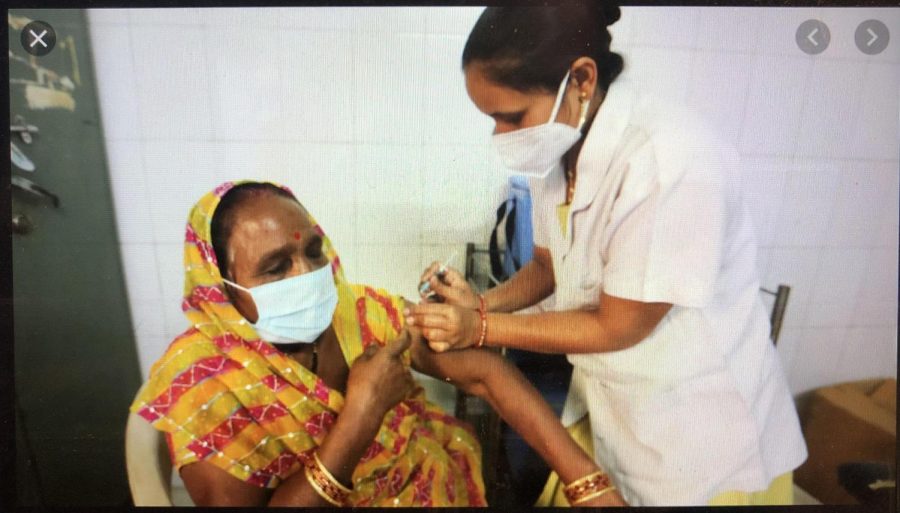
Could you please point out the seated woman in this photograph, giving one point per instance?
(292, 387)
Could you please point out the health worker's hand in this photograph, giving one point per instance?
(378, 379)
(453, 288)
(445, 326)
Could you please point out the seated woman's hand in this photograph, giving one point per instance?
(453, 287)
(445, 326)
(378, 379)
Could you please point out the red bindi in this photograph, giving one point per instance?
(297, 235)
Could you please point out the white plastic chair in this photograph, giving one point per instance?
(148, 464)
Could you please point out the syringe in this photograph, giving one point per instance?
(425, 287)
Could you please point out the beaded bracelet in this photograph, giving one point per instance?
(588, 487)
(324, 483)
(482, 311)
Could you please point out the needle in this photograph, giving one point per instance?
(425, 287)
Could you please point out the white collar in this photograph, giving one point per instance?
(601, 141)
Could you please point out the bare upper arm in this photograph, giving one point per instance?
(209, 485)
(630, 321)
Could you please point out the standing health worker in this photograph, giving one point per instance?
(644, 265)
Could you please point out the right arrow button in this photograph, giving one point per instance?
(872, 37)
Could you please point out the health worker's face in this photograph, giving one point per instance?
(271, 240)
(513, 110)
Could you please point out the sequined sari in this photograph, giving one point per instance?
(224, 396)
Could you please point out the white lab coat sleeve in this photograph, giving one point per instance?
(667, 230)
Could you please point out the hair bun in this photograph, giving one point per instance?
(608, 12)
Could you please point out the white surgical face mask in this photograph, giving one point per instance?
(296, 309)
(535, 151)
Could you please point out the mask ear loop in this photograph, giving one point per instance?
(559, 97)
(235, 285)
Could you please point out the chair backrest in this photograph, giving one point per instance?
(148, 464)
(778, 309)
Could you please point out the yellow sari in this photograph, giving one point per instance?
(224, 396)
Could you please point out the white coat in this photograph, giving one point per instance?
(701, 405)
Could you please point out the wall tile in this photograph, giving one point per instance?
(875, 132)
(815, 362)
(391, 267)
(719, 89)
(673, 27)
(830, 109)
(463, 190)
(788, 342)
(116, 84)
(171, 69)
(724, 28)
(868, 353)
(862, 202)
(142, 275)
(166, 16)
(107, 17)
(177, 175)
(306, 18)
(876, 303)
(837, 285)
(450, 116)
(390, 68)
(809, 196)
(129, 191)
(890, 214)
(388, 20)
(773, 30)
(778, 87)
(457, 21)
(661, 72)
(389, 192)
(302, 94)
(763, 190)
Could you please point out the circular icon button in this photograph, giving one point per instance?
(38, 38)
(813, 37)
(872, 37)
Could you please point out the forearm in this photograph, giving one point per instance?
(530, 285)
(522, 407)
(340, 452)
(568, 332)
(488, 375)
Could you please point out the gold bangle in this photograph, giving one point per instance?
(313, 482)
(330, 477)
(577, 490)
(324, 483)
(594, 495)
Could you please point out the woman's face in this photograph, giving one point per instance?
(511, 109)
(271, 239)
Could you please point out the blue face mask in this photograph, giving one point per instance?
(296, 309)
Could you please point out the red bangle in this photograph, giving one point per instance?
(482, 311)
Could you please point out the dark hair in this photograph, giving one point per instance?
(223, 217)
(531, 48)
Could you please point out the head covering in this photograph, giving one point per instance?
(225, 396)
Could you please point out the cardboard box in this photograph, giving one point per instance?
(850, 422)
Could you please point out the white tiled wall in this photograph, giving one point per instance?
(363, 112)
